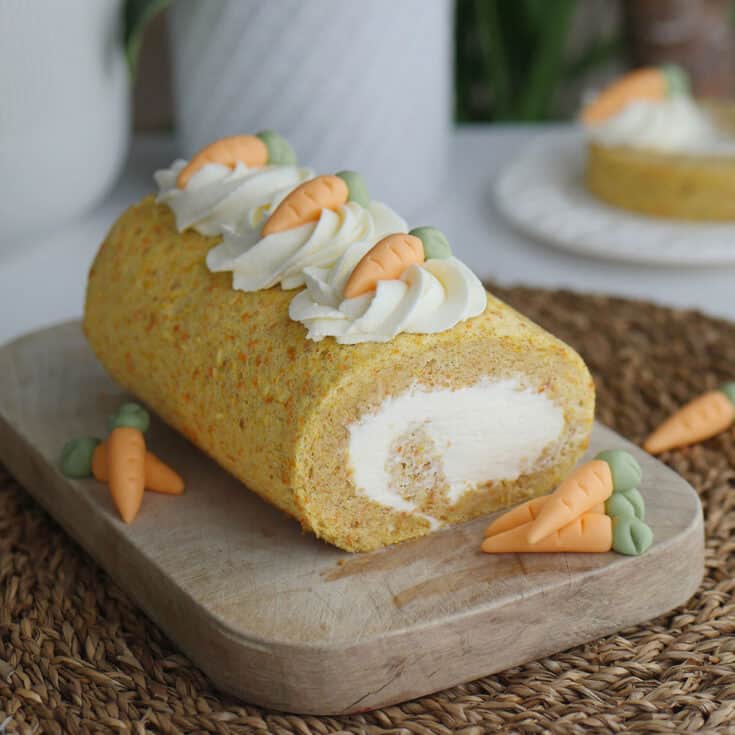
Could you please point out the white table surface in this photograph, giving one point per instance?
(42, 280)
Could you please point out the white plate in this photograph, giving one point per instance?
(542, 193)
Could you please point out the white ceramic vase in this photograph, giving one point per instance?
(360, 85)
(64, 111)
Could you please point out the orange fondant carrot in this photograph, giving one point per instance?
(306, 202)
(518, 516)
(126, 469)
(700, 419)
(386, 260)
(249, 149)
(586, 487)
(525, 513)
(159, 477)
(649, 83)
(99, 463)
(591, 532)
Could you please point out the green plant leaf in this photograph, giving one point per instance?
(496, 68)
(536, 13)
(512, 58)
(463, 28)
(547, 63)
(137, 15)
(517, 24)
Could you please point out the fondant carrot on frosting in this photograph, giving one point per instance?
(254, 151)
(391, 256)
(649, 83)
(305, 203)
(574, 517)
(386, 260)
(700, 419)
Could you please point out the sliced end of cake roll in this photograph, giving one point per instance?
(448, 428)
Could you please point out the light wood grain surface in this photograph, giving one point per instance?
(283, 620)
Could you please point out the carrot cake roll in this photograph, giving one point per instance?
(654, 149)
(352, 372)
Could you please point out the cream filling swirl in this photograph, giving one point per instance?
(261, 262)
(674, 125)
(487, 432)
(428, 298)
(217, 196)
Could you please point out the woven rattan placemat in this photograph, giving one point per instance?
(76, 656)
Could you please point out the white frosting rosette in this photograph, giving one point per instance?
(236, 201)
(429, 297)
(261, 262)
(218, 196)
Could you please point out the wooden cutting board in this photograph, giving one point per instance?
(283, 620)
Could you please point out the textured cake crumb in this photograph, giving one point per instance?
(415, 469)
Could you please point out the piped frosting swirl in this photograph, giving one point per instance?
(217, 196)
(427, 298)
(260, 262)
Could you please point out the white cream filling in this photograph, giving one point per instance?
(488, 432)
